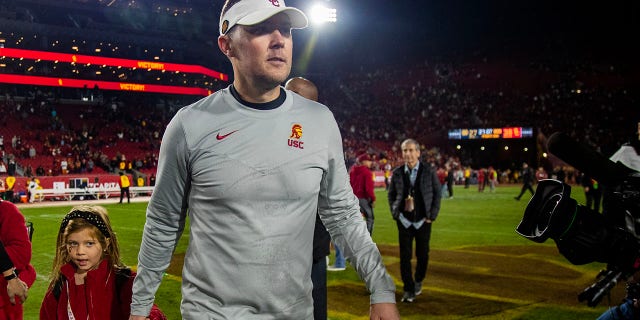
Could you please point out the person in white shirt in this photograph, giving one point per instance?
(33, 185)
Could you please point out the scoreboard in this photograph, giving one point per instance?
(491, 133)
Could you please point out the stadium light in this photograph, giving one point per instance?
(320, 14)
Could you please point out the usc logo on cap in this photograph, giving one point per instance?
(225, 26)
(275, 3)
(296, 135)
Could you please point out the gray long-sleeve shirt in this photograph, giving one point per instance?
(251, 180)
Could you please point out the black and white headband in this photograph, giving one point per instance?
(92, 218)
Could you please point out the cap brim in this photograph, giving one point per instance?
(297, 17)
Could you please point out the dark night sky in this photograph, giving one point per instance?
(388, 32)
(380, 31)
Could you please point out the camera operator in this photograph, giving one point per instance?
(629, 155)
(629, 308)
(583, 235)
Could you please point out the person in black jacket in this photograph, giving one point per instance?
(414, 197)
(527, 180)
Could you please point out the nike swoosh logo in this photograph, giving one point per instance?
(220, 137)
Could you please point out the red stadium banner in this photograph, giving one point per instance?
(103, 85)
(113, 62)
(50, 182)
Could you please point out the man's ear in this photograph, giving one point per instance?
(224, 43)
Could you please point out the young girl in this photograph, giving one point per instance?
(88, 280)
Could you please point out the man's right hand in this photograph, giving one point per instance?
(17, 287)
(384, 311)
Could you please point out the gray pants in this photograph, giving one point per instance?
(367, 211)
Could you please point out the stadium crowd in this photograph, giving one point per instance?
(376, 108)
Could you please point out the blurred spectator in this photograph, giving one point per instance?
(541, 174)
(11, 168)
(527, 180)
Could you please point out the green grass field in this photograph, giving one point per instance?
(467, 223)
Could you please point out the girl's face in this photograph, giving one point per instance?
(85, 250)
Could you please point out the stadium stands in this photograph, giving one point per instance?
(594, 100)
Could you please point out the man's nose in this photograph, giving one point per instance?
(278, 38)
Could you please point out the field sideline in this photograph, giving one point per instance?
(479, 267)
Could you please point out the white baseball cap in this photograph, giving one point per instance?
(250, 12)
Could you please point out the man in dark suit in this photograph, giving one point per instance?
(414, 197)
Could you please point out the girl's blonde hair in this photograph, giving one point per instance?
(95, 219)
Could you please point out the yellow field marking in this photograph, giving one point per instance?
(172, 277)
(585, 274)
(479, 295)
(345, 315)
(166, 275)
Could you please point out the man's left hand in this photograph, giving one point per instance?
(384, 311)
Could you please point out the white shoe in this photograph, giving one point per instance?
(418, 288)
(408, 297)
(334, 268)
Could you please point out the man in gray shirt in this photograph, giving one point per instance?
(251, 165)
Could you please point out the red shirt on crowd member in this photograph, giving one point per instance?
(361, 179)
(442, 175)
(541, 174)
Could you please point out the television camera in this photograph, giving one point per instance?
(583, 235)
